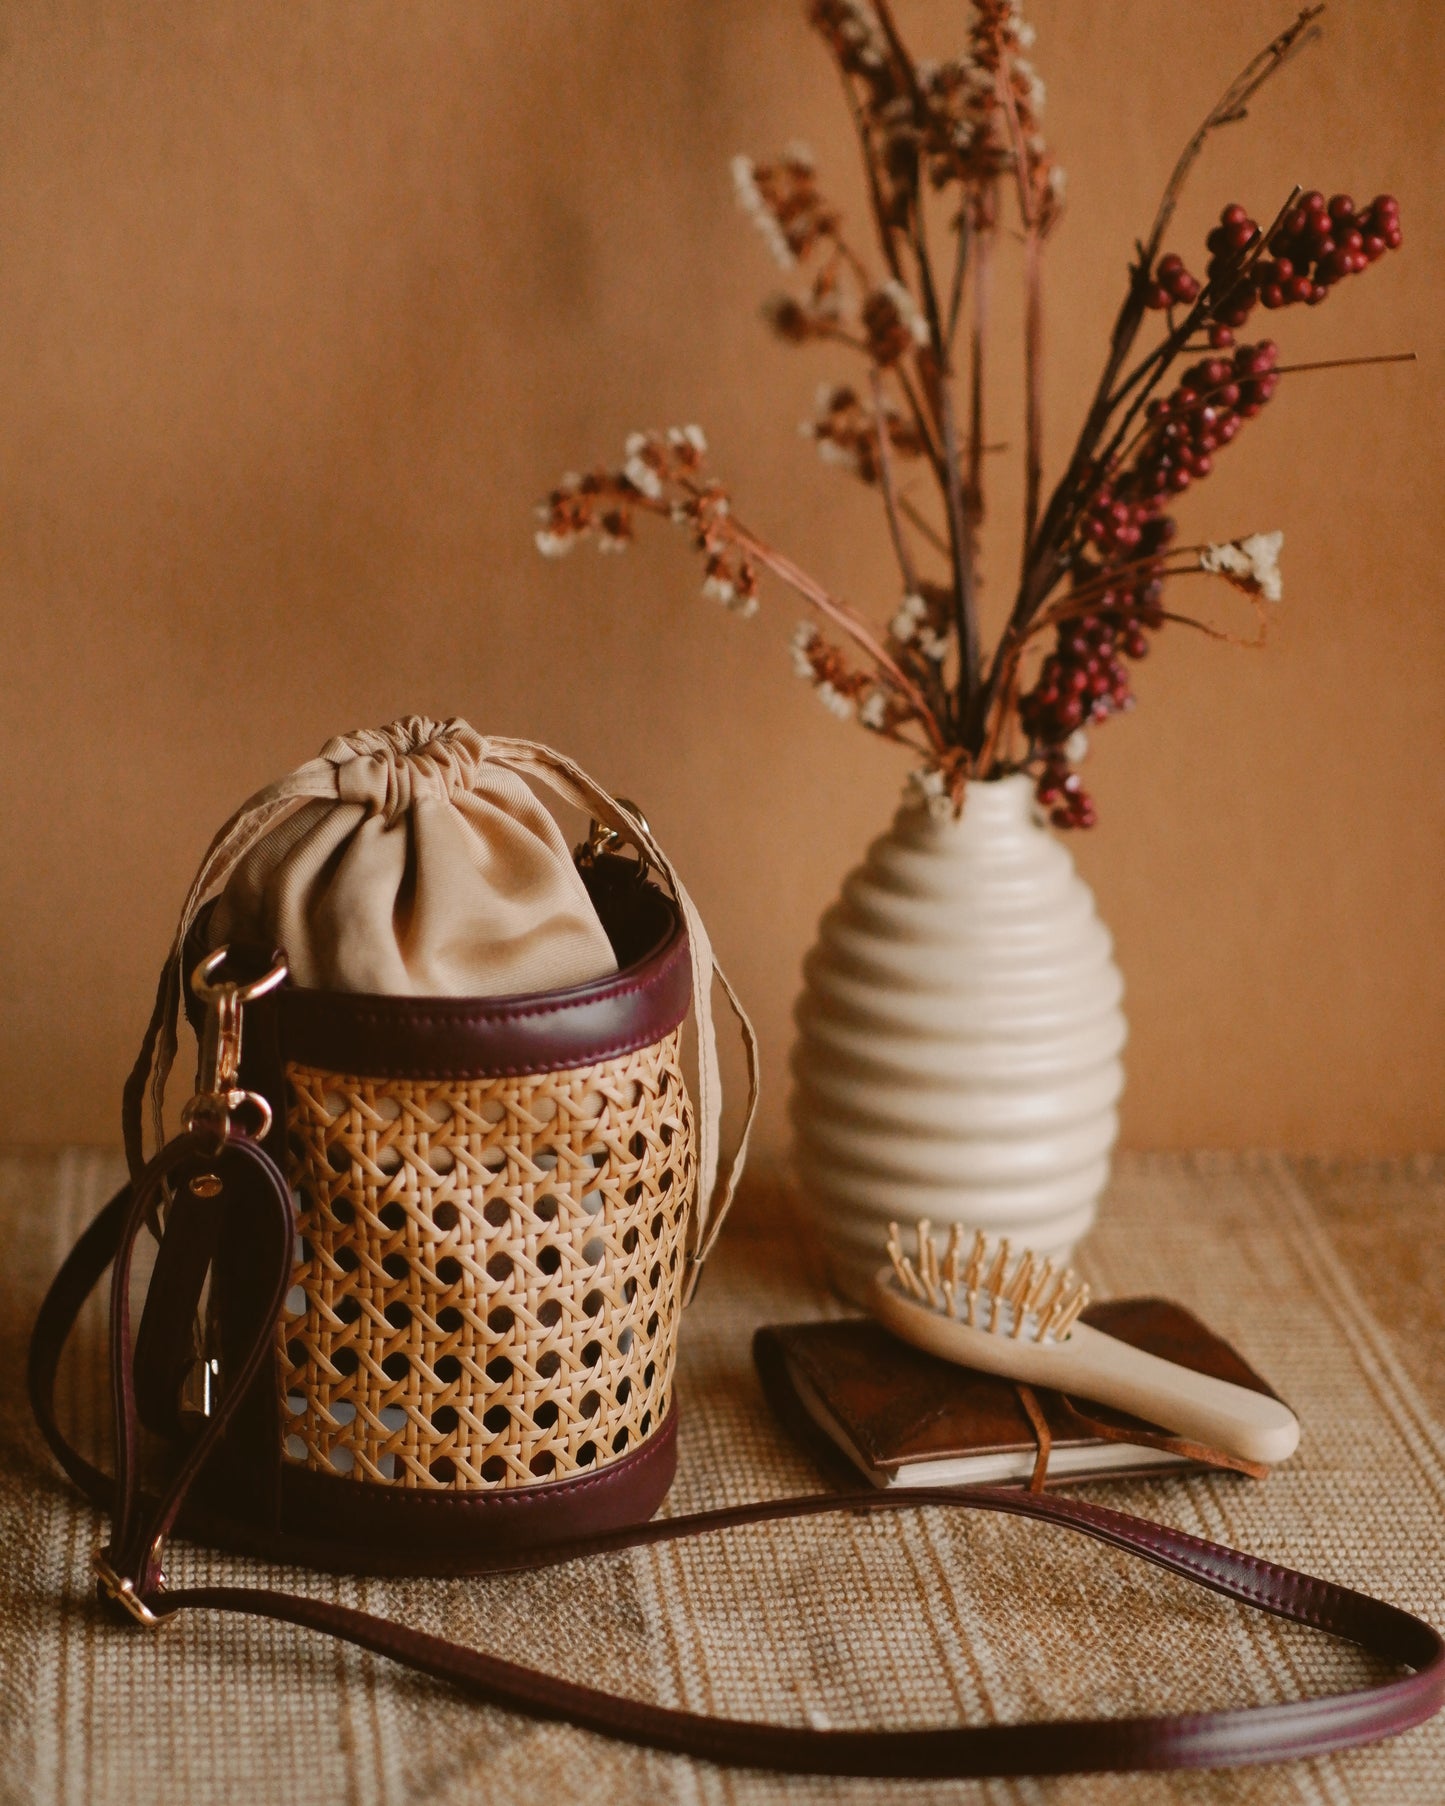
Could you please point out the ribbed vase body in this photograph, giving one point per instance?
(959, 1035)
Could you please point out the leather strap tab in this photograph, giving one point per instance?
(165, 1342)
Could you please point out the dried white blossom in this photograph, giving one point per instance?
(688, 435)
(911, 610)
(1058, 181)
(553, 545)
(753, 202)
(637, 470)
(611, 542)
(861, 30)
(1253, 562)
(720, 588)
(1076, 746)
(835, 702)
(873, 710)
(644, 477)
(928, 790)
(805, 637)
(1032, 81)
(908, 312)
(844, 456)
(745, 185)
(911, 626)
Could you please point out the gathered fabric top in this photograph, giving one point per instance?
(386, 768)
(416, 866)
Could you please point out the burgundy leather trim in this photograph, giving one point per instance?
(376, 1036)
(407, 1530)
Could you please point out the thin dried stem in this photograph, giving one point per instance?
(888, 488)
(842, 617)
(1082, 602)
(927, 430)
(960, 531)
(963, 235)
(1347, 363)
(1033, 382)
(982, 295)
(1230, 108)
(937, 390)
(875, 192)
(1033, 308)
(924, 526)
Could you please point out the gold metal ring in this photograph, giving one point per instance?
(217, 1111)
(202, 979)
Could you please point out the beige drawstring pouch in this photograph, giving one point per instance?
(416, 860)
(422, 869)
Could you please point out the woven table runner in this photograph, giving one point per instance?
(1320, 1272)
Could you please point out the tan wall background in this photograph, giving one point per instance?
(303, 305)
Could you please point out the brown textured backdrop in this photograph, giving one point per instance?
(303, 304)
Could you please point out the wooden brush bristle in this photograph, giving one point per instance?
(990, 1289)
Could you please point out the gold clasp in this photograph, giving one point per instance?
(602, 839)
(121, 1588)
(218, 1098)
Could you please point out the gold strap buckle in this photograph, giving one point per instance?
(219, 1101)
(121, 1588)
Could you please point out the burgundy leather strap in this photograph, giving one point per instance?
(1203, 1740)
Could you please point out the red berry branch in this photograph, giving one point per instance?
(946, 145)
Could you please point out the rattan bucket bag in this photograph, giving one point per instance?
(426, 1234)
(462, 1050)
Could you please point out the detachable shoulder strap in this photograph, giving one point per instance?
(131, 1578)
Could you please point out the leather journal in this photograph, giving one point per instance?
(906, 1419)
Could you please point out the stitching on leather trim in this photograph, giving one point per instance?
(407, 1018)
(1224, 1583)
(588, 1056)
(1289, 1600)
(402, 1016)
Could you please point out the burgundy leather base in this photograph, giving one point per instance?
(347, 1526)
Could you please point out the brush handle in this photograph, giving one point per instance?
(1091, 1365)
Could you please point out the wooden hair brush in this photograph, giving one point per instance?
(1019, 1318)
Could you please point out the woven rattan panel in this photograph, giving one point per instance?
(488, 1271)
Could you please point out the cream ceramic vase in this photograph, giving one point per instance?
(959, 1035)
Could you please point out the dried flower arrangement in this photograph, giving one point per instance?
(943, 143)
